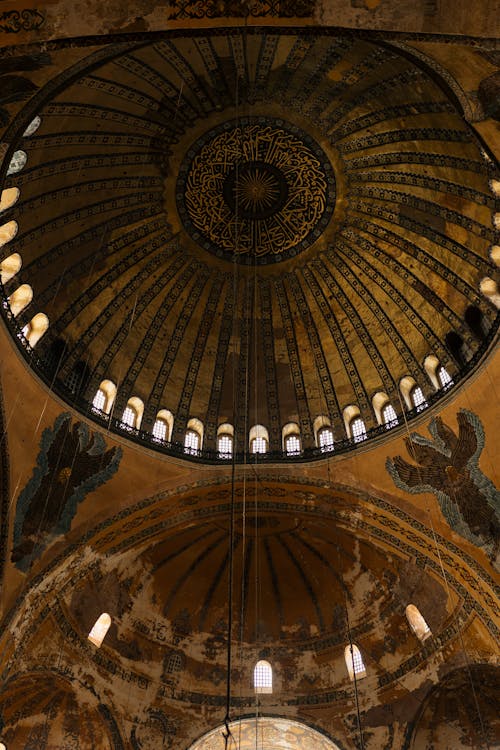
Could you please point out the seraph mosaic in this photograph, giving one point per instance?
(448, 466)
(72, 462)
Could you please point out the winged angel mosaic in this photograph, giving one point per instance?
(448, 466)
(72, 462)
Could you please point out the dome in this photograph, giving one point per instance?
(233, 230)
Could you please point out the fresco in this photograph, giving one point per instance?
(72, 462)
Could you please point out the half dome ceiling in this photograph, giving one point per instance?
(253, 227)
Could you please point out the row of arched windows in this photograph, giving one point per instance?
(263, 671)
(258, 439)
(10, 266)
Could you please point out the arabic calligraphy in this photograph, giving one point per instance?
(256, 190)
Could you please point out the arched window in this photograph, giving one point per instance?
(417, 622)
(10, 266)
(263, 677)
(105, 396)
(354, 662)
(20, 298)
(384, 411)
(495, 254)
(8, 198)
(455, 345)
(78, 377)
(357, 429)
(444, 377)
(132, 414)
(291, 439)
(258, 439)
(163, 426)
(99, 630)
(323, 433)
(32, 127)
(225, 437)
(193, 439)
(34, 330)
(489, 288)
(18, 161)
(7, 232)
(389, 416)
(418, 399)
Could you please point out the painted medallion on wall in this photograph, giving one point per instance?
(257, 190)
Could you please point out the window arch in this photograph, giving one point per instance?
(34, 330)
(99, 629)
(20, 298)
(7, 232)
(354, 662)
(438, 375)
(412, 394)
(163, 426)
(495, 254)
(33, 126)
(258, 439)
(8, 198)
(18, 162)
(455, 345)
(10, 266)
(105, 396)
(263, 677)
(193, 438)
(225, 440)
(132, 414)
(417, 622)
(354, 425)
(384, 411)
(291, 439)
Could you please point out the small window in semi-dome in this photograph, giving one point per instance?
(8, 198)
(18, 161)
(292, 445)
(32, 127)
(354, 662)
(325, 439)
(7, 232)
(258, 439)
(132, 414)
(99, 630)
(104, 397)
(225, 444)
(389, 416)
(263, 677)
(163, 426)
(417, 622)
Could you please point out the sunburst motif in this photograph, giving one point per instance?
(257, 190)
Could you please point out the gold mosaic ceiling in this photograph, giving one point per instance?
(252, 227)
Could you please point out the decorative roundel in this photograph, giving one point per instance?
(256, 190)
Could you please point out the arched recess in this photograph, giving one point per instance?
(267, 731)
(449, 716)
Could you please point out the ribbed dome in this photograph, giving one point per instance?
(243, 228)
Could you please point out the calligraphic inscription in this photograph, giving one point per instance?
(186, 9)
(256, 190)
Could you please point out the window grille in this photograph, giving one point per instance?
(354, 662)
(160, 430)
(128, 416)
(99, 401)
(292, 445)
(225, 445)
(325, 438)
(418, 399)
(389, 416)
(444, 377)
(263, 677)
(191, 441)
(358, 430)
(259, 445)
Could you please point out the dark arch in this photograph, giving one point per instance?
(476, 322)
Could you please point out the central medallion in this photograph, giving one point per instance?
(256, 190)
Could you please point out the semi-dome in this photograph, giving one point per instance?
(229, 229)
